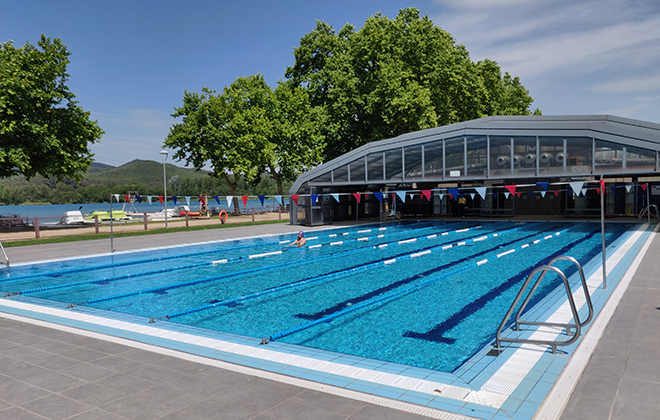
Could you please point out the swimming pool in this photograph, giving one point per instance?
(425, 294)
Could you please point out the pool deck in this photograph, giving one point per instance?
(55, 372)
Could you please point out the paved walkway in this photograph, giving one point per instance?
(46, 373)
(622, 379)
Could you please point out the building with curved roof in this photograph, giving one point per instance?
(480, 160)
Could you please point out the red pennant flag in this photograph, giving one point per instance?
(127, 198)
(511, 188)
(160, 197)
(518, 193)
(598, 190)
(295, 199)
(245, 199)
(602, 185)
(644, 186)
(427, 194)
(357, 196)
(556, 193)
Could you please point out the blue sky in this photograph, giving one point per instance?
(132, 60)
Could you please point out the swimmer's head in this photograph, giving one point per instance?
(301, 233)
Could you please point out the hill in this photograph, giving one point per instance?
(144, 172)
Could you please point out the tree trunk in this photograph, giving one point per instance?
(277, 179)
(233, 185)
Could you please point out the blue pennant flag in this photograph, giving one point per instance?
(494, 194)
(262, 198)
(314, 198)
(379, 196)
(453, 192)
(215, 197)
(530, 193)
(543, 185)
(174, 199)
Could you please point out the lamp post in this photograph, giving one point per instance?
(163, 157)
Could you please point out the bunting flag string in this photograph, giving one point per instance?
(314, 198)
(279, 199)
(427, 194)
(295, 198)
(401, 195)
(245, 199)
(262, 198)
(379, 196)
(481, 191)
(357, 197)
(336, 197)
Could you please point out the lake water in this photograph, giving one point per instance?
(57, 210)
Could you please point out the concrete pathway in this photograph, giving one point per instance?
(622, 379)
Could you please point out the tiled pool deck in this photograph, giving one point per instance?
(514, 385)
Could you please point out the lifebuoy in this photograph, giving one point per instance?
(223, 216)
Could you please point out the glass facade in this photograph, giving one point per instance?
(496, 157)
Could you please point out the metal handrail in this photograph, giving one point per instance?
(646, 210)
(5, 254)
(568, 326)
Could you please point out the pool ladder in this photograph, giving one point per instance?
(647, 210)
(572, 330)
(5, 254)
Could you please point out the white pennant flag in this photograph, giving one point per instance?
(402, 195)
(481, 191)
(628, 188)
(149, 198)
(188, 201)
(441, 195)
(543, 194)
(576, 186)
(336, 197)
(279, 199)
(117, 197)
(583, 191)
(229, 197)
(472, 195)
(507, 194)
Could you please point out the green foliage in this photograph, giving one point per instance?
(249, 130)
(43, 130)
(395, 76)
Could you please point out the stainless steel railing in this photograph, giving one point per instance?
(577, 325)
(5, 254)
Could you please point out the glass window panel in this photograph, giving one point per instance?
(413, 156)
(341, 174)
(454, 157)
(393, 162)
(357, 170)
(477, 156)
(637, 159)
(433, 159)
(578, 151)
(326, 178)
(608, 156)
(524, 155)
(500, 156)
(375, 166)
(551, 159)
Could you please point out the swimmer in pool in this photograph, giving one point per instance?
(300, 241)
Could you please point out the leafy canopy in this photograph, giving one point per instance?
(43, 130)
(394, 76)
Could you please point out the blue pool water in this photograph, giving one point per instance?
(396, 293)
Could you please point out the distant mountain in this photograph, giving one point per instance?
(146, 172)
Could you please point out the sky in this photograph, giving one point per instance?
(132, 60)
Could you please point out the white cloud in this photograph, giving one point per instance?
(633, 84)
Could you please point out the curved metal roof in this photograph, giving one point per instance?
(623, 131)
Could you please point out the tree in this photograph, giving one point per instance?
(43, 130)
(394, 76)
(247, 130)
